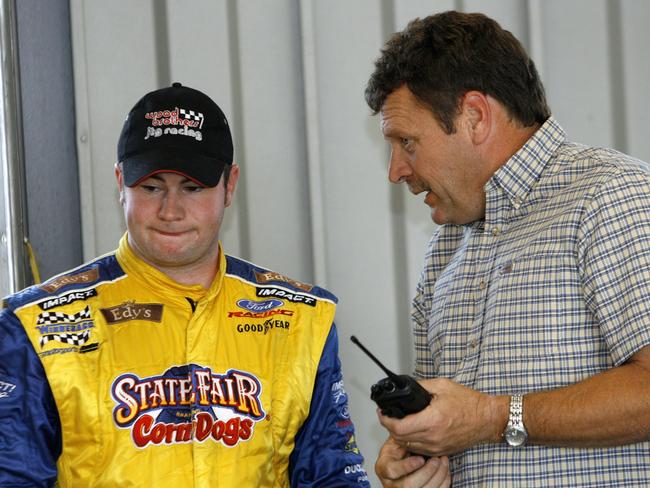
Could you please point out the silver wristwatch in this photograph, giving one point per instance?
(515, 433)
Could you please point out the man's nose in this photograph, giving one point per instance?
(398, 167)
(171, 207)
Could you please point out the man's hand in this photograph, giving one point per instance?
(396, 468)
(456, 419)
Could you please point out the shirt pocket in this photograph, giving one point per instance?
(539, 331)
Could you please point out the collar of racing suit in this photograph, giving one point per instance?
(161, 284)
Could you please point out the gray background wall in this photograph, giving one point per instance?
(45, 57)
(313, 201)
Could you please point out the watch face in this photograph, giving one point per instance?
(515, 437)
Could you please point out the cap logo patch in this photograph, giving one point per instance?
(171, 119)
(191, 115)
(177, 116)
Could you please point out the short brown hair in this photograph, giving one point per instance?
(443, 56)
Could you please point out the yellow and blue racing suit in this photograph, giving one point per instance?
(114, 375)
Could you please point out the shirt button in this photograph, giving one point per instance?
(473, 344)
(496, 231)
(482, 285)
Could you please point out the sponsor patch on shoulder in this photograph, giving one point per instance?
(55, 284)
(272, 276)
(73, 329)
(151, 312)
(287, 295)
(67, 298)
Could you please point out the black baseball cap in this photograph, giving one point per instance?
(176, 129)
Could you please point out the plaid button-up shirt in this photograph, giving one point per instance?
(551, 288)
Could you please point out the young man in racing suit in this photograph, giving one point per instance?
(167, 362)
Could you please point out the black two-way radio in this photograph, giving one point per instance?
(397, 395)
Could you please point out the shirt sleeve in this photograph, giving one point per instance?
(614, 261)
(325, 452)
(30, 433)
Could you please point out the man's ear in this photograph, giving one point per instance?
(232, 183)
(477, 114)
(120, 181)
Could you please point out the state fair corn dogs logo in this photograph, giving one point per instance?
(186, 404)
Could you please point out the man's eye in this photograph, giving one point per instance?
(193, 189)
(407, 143)
(149, 188)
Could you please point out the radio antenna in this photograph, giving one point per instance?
(384, 368)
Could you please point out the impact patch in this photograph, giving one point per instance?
(292, 297)
(67, 298)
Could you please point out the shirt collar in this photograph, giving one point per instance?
(522, 171)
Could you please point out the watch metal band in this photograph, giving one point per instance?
(515, 433)
(517, 410)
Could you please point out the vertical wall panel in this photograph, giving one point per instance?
(511, 14)
(200, 56)
(407, 10)
(47, 94)
(118, 67)
(275, 170)
(635, 15)
(579, 97)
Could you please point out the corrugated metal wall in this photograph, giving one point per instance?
(48, 167)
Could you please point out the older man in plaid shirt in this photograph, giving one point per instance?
(532, 316)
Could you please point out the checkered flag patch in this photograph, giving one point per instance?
(192, 115)
(50, 318)
(75, 339)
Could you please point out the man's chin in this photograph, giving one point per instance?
(438, 217)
